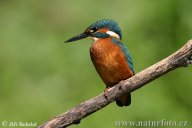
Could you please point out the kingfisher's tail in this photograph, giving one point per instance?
(124, 100)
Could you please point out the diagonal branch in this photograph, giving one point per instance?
(181, 58)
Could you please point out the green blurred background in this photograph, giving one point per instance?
(41, 77)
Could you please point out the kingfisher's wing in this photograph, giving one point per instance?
(126, 52)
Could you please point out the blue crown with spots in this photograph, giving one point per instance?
(107, 23)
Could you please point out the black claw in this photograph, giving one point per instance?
(105, 96)
(120, 87)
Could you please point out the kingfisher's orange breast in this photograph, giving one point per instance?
(109, 61)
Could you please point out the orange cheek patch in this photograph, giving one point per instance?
(103, 30)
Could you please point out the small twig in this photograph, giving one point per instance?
(181, 58)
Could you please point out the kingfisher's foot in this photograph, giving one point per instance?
(106, 91)
(120, 83)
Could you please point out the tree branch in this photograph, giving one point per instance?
(181, 58)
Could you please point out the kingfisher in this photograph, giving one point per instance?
(109, 55)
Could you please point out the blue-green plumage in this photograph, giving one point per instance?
(109, 55)
(107, 23)
(112, 26)
(126, 53)
(100, 35)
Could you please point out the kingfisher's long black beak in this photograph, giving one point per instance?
(78, 37)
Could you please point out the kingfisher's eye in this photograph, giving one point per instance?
(93, 30)
(90, 31)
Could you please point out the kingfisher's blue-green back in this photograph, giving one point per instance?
(126, 52)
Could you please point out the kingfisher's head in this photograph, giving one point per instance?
(100, 29)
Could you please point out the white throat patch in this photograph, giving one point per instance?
(94, 38)
(113, 34)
